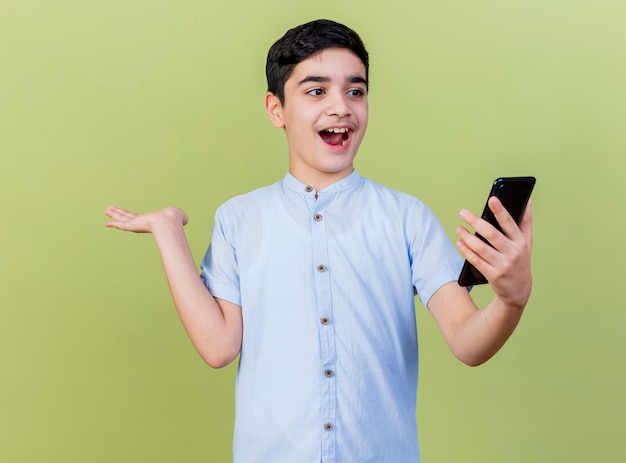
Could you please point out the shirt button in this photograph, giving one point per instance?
(321, 268)
(317, 217)
(329, 373)
(328, 426)
(325, 320)
(308, 189)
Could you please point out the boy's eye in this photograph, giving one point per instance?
(316, 92)
(356, 92)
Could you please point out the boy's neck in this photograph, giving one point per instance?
(320, 180)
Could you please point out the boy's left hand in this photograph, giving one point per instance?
(506, 265)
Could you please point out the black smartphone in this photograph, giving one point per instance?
(514, 193)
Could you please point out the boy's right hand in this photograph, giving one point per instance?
(144, 223)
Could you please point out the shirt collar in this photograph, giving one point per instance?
(293, 184)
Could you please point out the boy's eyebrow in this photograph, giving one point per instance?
(314, 79)
(355, 79)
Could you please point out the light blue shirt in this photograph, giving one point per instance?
(329, 360)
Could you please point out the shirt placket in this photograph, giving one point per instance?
(328, 355)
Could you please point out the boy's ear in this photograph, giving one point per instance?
(274, 110)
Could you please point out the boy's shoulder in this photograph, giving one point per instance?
(253, 196)
(385, 189)
(391, 195)
(251, 202)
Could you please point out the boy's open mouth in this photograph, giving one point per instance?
(335, 136)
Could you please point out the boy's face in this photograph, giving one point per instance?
(324, 115)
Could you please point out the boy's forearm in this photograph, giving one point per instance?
(481, 335)
(473, 335)
(216, 335)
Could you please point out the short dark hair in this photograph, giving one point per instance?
(304, 41)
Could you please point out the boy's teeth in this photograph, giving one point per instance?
(336, 130)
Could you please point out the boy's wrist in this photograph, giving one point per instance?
(169, 218)
(514, 305)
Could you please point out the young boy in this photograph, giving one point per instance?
(312, 280)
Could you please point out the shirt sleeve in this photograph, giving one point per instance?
(434, 259)
(219, 269)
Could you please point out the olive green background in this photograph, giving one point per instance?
(144, 104)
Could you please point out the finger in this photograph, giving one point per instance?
(118, 213)
(469, 218)
(475, 249)
(483, 228)
(473, 257)
(112, 211)
(505, 220)
(127, 225)
(117, 224)
(526, 224)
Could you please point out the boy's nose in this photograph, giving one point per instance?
(337, 106)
